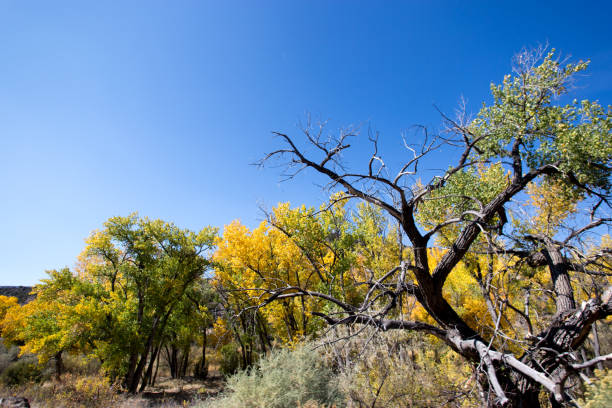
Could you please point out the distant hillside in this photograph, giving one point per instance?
(22, 293)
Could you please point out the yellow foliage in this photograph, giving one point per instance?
(13, 321)
(220, 334)
(553, 201)
(300, 248)
(265, 258)
(599, 394)
(6, 302)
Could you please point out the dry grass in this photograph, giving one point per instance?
(94, 391)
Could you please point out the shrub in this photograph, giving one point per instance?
(395, 369)
(88, 390)
(8, 355)
(283, 379)
(25, 370)
(230, 359)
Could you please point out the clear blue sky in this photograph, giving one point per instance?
(159, 107)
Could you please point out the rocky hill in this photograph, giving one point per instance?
(22, 293)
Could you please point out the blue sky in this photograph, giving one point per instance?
(160, 107)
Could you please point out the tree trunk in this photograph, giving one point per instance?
(131, 368)
(562, 286)
(135, 380)
(148, 377)
(156, 371)
(136, 377)
(184, 362)
(59, 366)
(201, 370)
(173, 361)
(263, 334)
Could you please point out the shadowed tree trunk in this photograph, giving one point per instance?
(59, 366)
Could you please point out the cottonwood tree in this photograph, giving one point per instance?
(122, 305)
(524, 139)
(141, 271)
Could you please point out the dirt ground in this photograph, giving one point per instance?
(170, 393)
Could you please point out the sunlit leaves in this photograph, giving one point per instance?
(462, 198)
(550, 202)
(575, 138)
(330, 251)
(6, 302)
(139, 271)
(50, 323)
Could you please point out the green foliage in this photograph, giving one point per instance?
(48, 324)
(576, 137)
(284, 379)
(462, 196)
(137, 272)
(230, 359)
(25, 370)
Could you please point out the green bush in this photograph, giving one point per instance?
(284, 379)
(8, 355)
(25, 370)
(230, 359)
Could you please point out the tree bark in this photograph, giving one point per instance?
(562, 286)
(596, 348)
